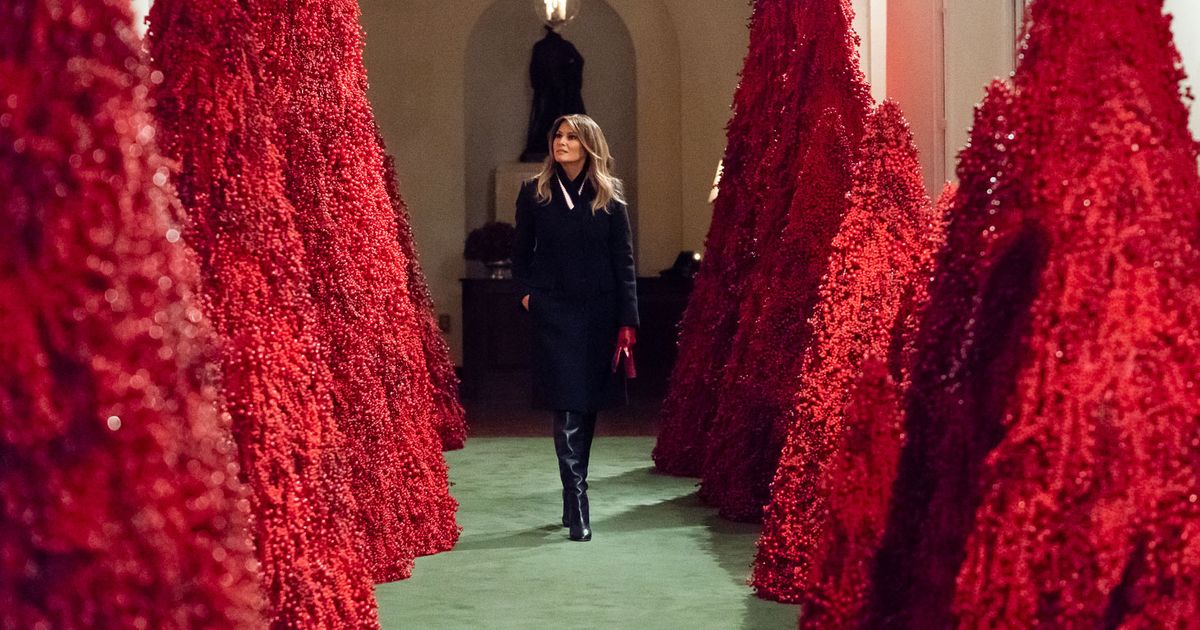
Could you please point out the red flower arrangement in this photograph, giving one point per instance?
(882, 257)
(120, 505)
(493, 242)
(216, 121)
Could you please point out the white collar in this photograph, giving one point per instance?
(567, 195)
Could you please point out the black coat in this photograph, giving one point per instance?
(577, 267)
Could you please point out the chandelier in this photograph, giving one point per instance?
(556, 13)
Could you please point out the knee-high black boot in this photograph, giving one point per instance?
(572, 442)
(587, 432)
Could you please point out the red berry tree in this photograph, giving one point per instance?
(710, 321)
(857, 486)
(882, 257)
(334, 176)
(120, 505)
(1051, 462)
(218, 124)
(985, 278)
(450, 419)
(800, 208)
(1089, 511)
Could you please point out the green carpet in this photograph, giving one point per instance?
(658, 559)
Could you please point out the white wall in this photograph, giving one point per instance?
(713, 37)
(980, 41)
(1187, 37)
(916, 78)
(141, 8)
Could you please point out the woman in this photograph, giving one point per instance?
(574, 256)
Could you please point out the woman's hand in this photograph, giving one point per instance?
(525, 301)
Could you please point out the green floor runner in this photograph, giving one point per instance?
(659, 559)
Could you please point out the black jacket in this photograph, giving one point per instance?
(575, 252)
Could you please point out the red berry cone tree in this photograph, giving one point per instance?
(1089, 513)
(120, 505)
(710, 321)
(858, 482)
(882, 252)
(217, 124)
(862, 475)
(383, 395)
(1069, 496)
(795, 225)
(450, 419)
(968, 341)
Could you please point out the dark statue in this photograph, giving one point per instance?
(556, 71)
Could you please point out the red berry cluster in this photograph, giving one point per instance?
(120, 505)
(334, 176)
(812, 551)
(854, 486)
(383, 395)
(1090, 503)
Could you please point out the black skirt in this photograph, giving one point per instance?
(574, 338)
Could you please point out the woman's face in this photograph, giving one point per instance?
(568, 150)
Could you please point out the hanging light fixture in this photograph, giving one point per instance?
(556, 13)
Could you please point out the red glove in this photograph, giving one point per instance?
(626, 338)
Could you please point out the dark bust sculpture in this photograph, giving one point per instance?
(556, 71)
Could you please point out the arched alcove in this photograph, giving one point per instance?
(498, 93)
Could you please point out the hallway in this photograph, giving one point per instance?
(659, 559)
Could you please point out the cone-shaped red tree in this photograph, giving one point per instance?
(119, 500)
(794, 230)
(858, 481)
(1090, 514)
(217, 124)
(1052, 450)
(984, 280)
(450, 419)
(710, 321)
(881, 256)
(383, 396)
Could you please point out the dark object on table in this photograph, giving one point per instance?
(491, 243)
(556, 72)
(686, 265)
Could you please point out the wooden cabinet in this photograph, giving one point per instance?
(497, 339)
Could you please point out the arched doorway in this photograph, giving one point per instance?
(497, 95)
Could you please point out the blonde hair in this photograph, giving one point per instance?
(599, 163)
